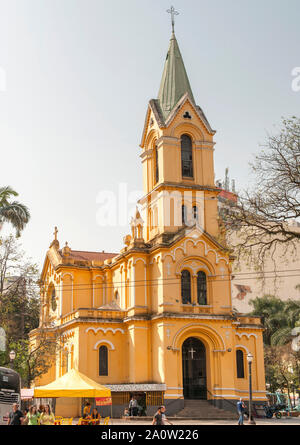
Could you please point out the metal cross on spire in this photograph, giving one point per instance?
(173, 12)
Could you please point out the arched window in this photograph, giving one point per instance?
(201, 288)
(186, 156)
(186, 287)
(195, 213)
(240, 364)
(156, 164)
(53, 300)
(103, 360)
(184, 214)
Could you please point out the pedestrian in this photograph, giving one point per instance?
(158, 416)
(33, 416)
(241, 408)
(133, 407)
(47, 417)
(164, 418)
(41, 409)
(16, 416)
(86, 410)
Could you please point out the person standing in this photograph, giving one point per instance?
(33, 416)
(41, 409)
(15, 417)
(133, 407)
(241, 408)
(47, 417)
(164, 418)
(158, 418)
(87, 410)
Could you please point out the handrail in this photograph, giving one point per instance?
(173, 401)
(231, 403)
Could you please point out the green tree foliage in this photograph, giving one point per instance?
(19, 313)
(279, 318)
(19, 293)
(282, 364)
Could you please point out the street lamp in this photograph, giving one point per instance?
(250, 360)
(12, 356)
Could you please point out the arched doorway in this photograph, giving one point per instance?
(194, 369)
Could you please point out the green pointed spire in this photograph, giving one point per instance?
(174, 83)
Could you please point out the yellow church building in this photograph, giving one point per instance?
(156, 319)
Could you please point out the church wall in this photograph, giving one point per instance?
(66, 293)
(98, 291)
(139, 354)
(154, 273)
(140, 283)
(113, 336)
(83, 285)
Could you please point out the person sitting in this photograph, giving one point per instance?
(95, 416)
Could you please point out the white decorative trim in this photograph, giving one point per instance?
(155, 259)
(174, 387)
(166, 304)
(194, 267)
(199, 326)
(163, 324)
(232, 396)
(240, 335)
(67, 273)
(139, 259)
(207, 249)
(112, 348)
(72, 292)
(98, 276)
(238, 390)
(243, 347)
(104, 330)
(173, 395)
(137, 387)
(137, 327)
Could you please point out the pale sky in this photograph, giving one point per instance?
(78, 78)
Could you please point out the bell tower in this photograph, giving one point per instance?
(177, 157)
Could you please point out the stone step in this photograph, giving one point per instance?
(203, 409)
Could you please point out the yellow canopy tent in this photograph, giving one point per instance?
(72, 384)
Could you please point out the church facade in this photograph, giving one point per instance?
(156, 318)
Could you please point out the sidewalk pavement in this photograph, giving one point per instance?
(283, 421)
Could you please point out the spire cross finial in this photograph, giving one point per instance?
(55, 233)
(173, 12)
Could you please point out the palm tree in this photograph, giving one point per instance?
(279, 318)
(271, 309)
(13, 212)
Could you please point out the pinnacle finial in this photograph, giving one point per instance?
(173, 12)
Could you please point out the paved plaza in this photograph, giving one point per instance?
(283, 421)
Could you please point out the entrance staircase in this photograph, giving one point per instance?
(202, 409)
